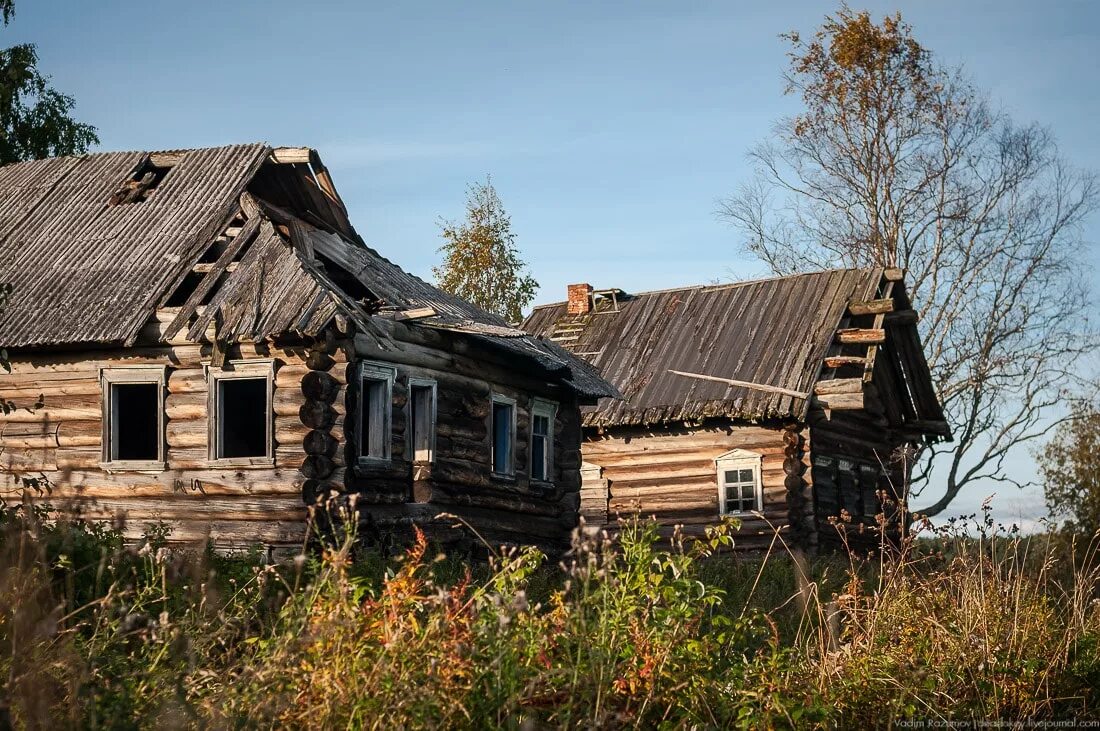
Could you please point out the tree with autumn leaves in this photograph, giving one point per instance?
(481, 261)
(897, 160)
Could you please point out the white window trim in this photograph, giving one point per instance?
(241, 370)
(410, 416)
(739, 459)
(157, 374)
(387, 374)
(549, 409)
(497, 398)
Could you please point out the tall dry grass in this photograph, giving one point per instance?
(627, 633)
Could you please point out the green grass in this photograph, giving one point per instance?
(632, 633)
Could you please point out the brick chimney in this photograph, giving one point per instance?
(580, 301)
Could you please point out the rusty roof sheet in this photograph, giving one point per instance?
(772, 332)
(88, 271)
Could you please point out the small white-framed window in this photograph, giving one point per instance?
(739, 486)
(543, 414)
(241, 414)
(502, 431)
(421, 420)
(375, 408)
(133, 417)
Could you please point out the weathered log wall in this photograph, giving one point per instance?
(670, 474)
(459, 484)
(198, 498)
(857, 462)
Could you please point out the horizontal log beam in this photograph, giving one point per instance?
(901, 317)
(867, 336)
(839, 361)
(893, 274)
(870, 307)
(840, 401)
(839, 385)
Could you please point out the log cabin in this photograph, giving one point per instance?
(200, 339)
(793, 403)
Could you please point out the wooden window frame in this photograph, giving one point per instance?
(422, 383)
(549, 409)
(495, 399)
(241, 370)
(739, 459)
(379, 373)
(155, 374)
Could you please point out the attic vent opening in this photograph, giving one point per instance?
(345, 280)
(142, 183)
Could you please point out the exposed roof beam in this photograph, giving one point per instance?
(839, 385)
(861, 335)
(871, 307)
(902, 317)
(839, 361)
(290, 155)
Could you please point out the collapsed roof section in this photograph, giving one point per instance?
(246, 242)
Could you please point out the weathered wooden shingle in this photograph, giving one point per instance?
(772, 332)
(86, 271)
(94, 244)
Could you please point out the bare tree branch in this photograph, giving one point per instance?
(897, 161)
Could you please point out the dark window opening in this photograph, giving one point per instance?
(142, 183)
(502, 437)
(345, 280)
(135, 421)
(421, 422)
(242, 417)
(373, 432)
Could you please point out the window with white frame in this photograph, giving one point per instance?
(739, 487)
(422, 419)
(542, 439)
(241, 412)
(503, 433)
(375, 411)
(133, 416)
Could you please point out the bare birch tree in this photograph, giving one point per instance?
(896, 160)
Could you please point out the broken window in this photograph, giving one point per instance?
(504, 435)
(133, 418)
(375, 404)
(241, 414)
(422, 419)
(542, 440)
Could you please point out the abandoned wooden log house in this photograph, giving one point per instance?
(790, 398)
(200, 338)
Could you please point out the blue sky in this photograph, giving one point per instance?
(610, 129)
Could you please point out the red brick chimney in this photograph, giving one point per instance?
(580, 301)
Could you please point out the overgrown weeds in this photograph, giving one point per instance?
(623, 633)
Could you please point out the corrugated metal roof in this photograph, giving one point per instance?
(772, 332)
(88, 271)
